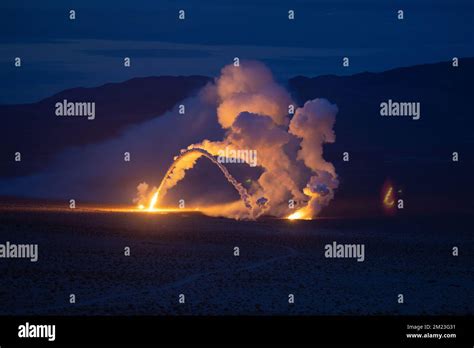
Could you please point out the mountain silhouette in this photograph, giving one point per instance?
(37, 133)
(414, 155)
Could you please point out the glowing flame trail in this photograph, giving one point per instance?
(153, 201)
(238, 186)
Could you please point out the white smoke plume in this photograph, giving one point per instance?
(313, 124)
(144, 194)
(251, 88)
(253, 110)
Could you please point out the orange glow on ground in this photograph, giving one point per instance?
(93, 208)
(117, 209)
(298, 215)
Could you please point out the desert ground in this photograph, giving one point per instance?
(83, 253)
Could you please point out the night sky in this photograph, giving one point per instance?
(58, 53)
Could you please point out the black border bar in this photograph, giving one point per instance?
(136, 330)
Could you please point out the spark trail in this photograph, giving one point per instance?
(200, 152)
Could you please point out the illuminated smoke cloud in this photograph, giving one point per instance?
(313, 124)
(250, 88)
(253, 110)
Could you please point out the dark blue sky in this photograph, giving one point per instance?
(58, 53)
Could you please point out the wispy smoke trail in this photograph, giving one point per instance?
(177, 171)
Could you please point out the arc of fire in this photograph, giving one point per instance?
(238, 186)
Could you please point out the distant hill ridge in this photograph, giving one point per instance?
(34, 130)
(443, 91)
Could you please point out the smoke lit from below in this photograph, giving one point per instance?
(258, 116)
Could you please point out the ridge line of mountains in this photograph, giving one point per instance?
(379, 147)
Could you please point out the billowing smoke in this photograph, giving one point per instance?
(250, 88)
(144, 194)
(313, 124)
(253, 110)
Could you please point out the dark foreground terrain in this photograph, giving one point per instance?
(190, 254)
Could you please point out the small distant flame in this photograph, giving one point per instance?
(388, 197)
(389, 200)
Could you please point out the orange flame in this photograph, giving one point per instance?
(299, 215)
(153, 201)
(389, 200)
